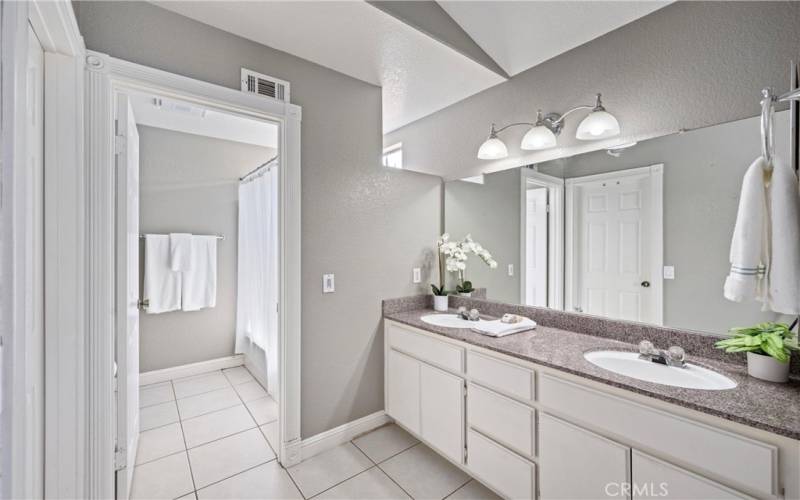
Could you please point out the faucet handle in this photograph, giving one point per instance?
(646, 348)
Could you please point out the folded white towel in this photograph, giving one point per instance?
(749, 254)
(180, 251)
(784, 263)
(162, 285)
(199, 286)
(497, 328)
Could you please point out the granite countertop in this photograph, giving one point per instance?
(764, 405)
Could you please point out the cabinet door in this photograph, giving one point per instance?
(402, 390)
(653, 478)
(442, 405)
(577, 464)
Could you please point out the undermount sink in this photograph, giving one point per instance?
(689, 377)
(447, 321)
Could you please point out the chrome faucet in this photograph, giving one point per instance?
(674, 356)
(471, 315)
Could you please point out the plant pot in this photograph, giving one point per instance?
(767, 368)
(440, 303)
(465, 294)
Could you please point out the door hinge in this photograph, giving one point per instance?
(120, 458)
(547, 208)
(119, 144)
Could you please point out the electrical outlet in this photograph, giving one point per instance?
(511, 269)
(669, 272)
(328, 284)
(417, 275)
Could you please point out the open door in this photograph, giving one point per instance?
(127, 294)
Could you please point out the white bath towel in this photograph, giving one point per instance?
(783, 274)
(162, 285)
(199, 284)
(180, 251)
(497, 328)
(749, 255)
(765, 249)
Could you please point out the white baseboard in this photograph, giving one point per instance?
(256, 371)
(339, 435)
(156, 376)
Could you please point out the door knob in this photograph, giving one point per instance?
(645, 284)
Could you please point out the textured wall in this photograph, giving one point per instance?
(491, 213)
(367, 224)
(687, 65)
(190, 183)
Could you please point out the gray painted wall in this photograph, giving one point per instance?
(688, 65)
(189, 183)
(367, 224)
(491, 213)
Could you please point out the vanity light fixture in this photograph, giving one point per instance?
(598, 124)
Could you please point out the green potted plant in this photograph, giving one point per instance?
(768, 346)
(465, 288)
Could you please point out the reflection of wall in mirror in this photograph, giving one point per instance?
(491, 213)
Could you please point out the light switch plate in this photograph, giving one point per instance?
(416, 275)
(328, 284)
(669, 272)
(511, 269)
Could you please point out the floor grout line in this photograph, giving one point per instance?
(237, 474)
(343, 481)
(188, 459)
(377, 464)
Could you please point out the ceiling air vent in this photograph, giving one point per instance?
(256, 83)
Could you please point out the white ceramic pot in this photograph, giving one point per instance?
(767, 368)
(440, 303)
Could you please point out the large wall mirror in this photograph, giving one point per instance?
(640, 233)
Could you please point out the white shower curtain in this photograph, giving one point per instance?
(257, 284)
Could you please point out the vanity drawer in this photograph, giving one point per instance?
(713, 452)
(510, 423)
(509, 474)
(502, 376)
(437, 352)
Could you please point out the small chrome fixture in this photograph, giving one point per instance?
(674, 356)
(471, 315)
(598, 124)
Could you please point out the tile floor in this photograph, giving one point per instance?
(212, 436)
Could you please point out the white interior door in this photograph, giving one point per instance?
(127, 289)
(617, 246)
(536, 232)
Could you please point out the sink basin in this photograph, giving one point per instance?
(447, 321)
(629, 364)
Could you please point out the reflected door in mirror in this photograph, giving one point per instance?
(536, 247)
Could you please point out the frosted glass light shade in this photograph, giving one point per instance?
(492, 149)
(598, 124)
(538, 137)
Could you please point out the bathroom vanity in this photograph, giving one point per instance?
(530, 417)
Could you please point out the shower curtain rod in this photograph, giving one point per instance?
(255, 170)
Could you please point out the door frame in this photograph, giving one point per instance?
(64, 430)
(656, 174)
(555, 234)
(105, 76)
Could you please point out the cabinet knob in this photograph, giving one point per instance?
(645, 284)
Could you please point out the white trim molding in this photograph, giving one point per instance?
(339, 435)
(165, 374)
(655, 173)
(105, 77)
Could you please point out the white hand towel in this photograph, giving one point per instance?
(497, 328)
(162, 286)
(749, 254)
(783, 275)
(180, 251)
(199, 287)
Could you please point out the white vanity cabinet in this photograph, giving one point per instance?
(579, 464)
(529, 431)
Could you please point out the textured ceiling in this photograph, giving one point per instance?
(419, 74)
(520, 35)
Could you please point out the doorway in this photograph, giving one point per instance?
(615, 244)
